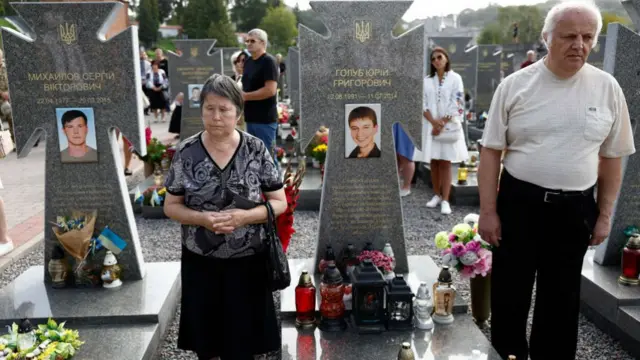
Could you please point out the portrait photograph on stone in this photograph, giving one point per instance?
(77, 135)
(194, 95)
(362, 125)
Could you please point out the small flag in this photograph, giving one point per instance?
(111, 241)
(156, 200)
(138, 198)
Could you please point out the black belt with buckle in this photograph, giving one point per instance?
(549, 196)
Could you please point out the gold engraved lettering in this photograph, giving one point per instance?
(68, 33)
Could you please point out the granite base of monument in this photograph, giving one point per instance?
(123, 323)
(466, 194)
(460, 340)
(613, 307)
(421, 269)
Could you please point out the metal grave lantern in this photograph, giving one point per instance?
(368, 298)
(399, 304)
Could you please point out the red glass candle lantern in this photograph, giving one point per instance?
(631, 262)
(332, 305)
(305, 301)
(329, 258)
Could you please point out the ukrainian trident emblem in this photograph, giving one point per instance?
(68, 33)
(363, 30)
(194, 51)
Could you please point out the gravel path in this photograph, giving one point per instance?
(160, 243)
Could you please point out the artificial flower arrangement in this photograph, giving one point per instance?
(74, 233)
(152, 196)
(283, 113)
(382, 261)
(319, 153)
(464, 250)
(155, 152)
(48, 341)
(321, 137)
(284, 222)
(279, 152)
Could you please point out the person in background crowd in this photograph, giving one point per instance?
(404, 154)
(145, 68)
(227, 308)
(157, 84)
(516, 39)
(164, 66)
(259, 85)
(6, 245)
(237, 62)
(531, 58)
(443, 138)
(5, 105)
(566, 135)
(282, 68)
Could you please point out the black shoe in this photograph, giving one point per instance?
(127, 172)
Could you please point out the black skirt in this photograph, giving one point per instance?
(176, 119)
(227, 309)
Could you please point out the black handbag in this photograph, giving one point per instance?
(278, 274)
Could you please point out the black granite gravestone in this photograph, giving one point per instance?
(364, 74)
(596, 57)
(189, 71)
(464, 59)
(621, 60)
(63, 69)
(489, 64)
(293, 78)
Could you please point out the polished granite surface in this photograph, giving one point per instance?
(146, 300)
(421, 267)
(118, 342)
(447, 342)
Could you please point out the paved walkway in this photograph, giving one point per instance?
(23, 193)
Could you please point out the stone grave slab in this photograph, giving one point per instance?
(489, 64)
(64, 67)
(125, 323)
(613, 307)
(423, 269)
(189, 71)
(293, 77)
(444, 342)
(507, 64)
(621, 60)
(361, 68)
(596, 57)
(227, 66)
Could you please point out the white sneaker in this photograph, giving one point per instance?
(445, 208)
(6, 248)
(435, 201)
(404, 192)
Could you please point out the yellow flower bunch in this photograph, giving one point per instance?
(320, 148)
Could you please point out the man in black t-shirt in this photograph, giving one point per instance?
(259, 89)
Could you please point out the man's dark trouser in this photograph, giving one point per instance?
(547, 238)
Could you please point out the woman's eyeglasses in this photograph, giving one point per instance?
(437, 57)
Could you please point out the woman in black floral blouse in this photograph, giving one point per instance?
(215, 188)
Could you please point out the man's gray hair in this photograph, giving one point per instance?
(224, 86)
(260, 34)
(531, 52)
(555, 14)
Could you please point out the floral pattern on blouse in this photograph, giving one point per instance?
(207, 187)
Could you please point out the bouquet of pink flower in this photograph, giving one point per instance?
(464, 250)
(378, 258)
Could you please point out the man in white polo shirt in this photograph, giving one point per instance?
(564, 126)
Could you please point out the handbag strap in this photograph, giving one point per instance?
(271, 219)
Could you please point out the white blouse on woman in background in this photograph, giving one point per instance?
(446, 99)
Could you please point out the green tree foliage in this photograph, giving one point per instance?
(529, 18)
(164, 9)
(608, 18)
(148, 22)
(209, 18)
(280, 25)
(248, 14)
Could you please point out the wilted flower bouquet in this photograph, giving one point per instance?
(464, 250)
